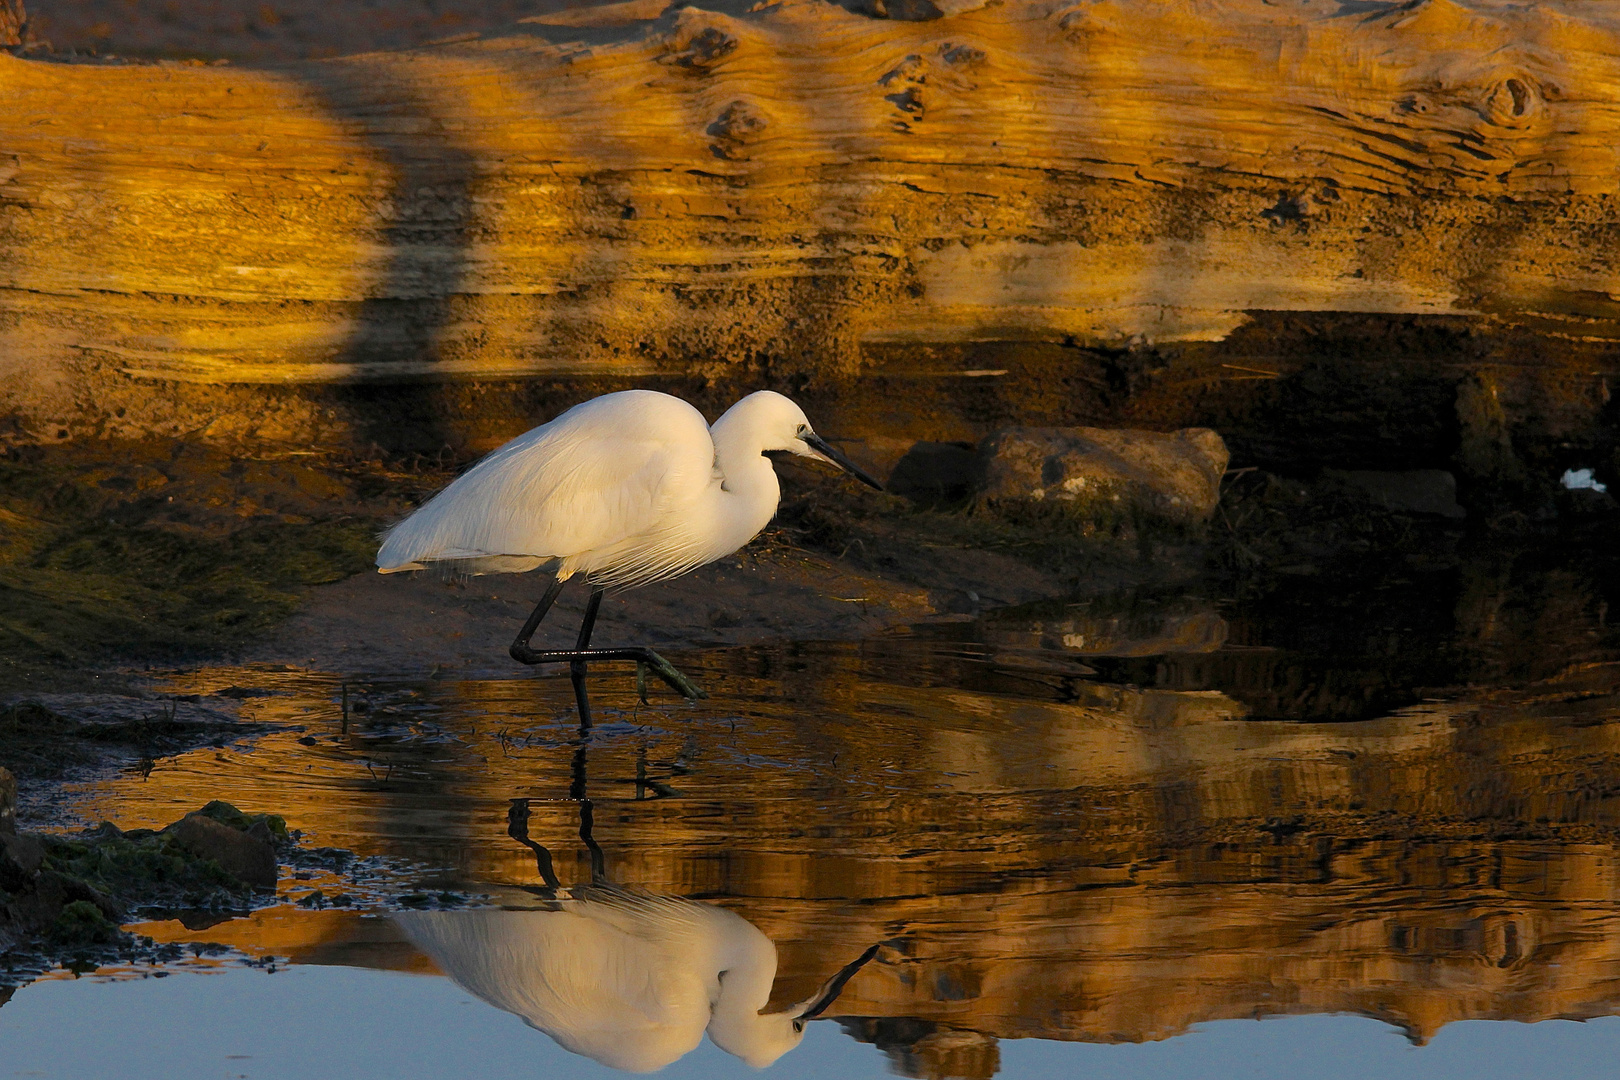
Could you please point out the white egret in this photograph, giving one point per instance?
(628, 978)
(626, 489)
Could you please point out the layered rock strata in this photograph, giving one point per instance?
(784, 191)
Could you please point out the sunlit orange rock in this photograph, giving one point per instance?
(644, 188)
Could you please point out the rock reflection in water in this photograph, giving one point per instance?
(1092, 628)
(1336, 650)
(629, 978)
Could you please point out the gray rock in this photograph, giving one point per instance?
(1413, 491)
(8, 802)
(934, 472)
(36, 906)
(248, 858)
(1174, 477)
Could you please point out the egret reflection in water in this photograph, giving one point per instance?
(628, 978)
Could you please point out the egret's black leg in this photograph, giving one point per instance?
(517, 827)
(588, 623)
(655, 663)
(577, 789)
(576, 669)
(520, 644)
(578, 657)
(587, 826)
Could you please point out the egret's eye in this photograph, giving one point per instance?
(802, 429)
(798, 1025)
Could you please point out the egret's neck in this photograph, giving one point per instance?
(736, 1025)
(750, 492)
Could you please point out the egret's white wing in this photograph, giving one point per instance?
(600, 475)
(597, 989)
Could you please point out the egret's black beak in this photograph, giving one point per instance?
(834, 986)
(822, 447)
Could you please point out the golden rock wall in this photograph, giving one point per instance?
(628, 190)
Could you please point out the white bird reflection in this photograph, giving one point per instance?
(628, 978)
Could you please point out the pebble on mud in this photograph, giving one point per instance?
(1106, 473)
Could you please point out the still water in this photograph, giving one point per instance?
(1309, 836)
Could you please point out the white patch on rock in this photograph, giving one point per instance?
(1582, 479)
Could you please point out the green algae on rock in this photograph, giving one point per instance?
(70, 892)
(142, 552)
(171, 869)
(82, 923)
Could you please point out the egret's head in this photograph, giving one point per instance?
(767, 1036)
(779, 424)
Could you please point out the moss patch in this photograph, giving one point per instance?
(144, 868)
(82, 924)
(132, 552)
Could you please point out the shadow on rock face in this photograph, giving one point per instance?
(935, 473)
(1413, 491)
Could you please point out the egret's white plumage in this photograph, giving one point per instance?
(626, 488)
(629, 979)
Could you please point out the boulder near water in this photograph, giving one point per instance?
(20, 860)
(247, 857)
(1105, 473)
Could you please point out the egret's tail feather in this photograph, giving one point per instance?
(459, 567)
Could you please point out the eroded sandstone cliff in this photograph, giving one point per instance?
(797, 192)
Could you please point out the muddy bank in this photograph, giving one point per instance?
(119, 556)
(126, 555)
(52, 736)
(119, 553)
